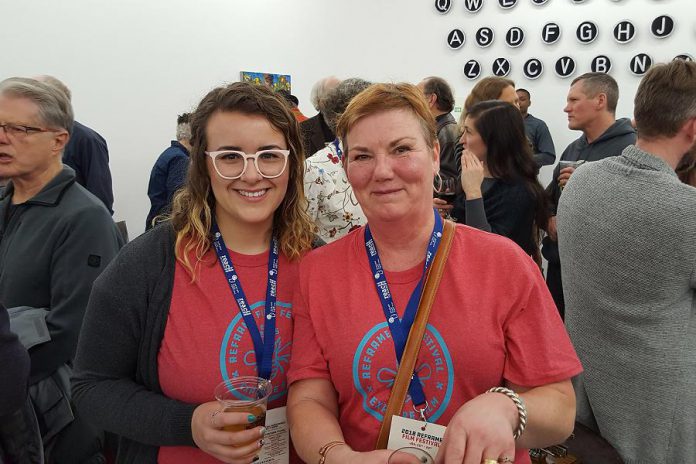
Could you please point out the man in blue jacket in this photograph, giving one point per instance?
(169, 172)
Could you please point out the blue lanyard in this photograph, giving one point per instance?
(262, 348)
(400, 328)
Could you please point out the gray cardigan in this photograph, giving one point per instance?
(627, 240)
(116, 382)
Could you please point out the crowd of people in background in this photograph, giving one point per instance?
(298, 249)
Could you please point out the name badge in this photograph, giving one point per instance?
(410, 433)
(276, 442)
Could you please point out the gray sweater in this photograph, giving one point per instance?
(611, 143)
(627, 230)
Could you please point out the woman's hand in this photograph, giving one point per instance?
(481, 429)
(472, 175)
(230, 447)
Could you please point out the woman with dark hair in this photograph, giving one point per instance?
(501, 191)
(488, 88)
(167, 321)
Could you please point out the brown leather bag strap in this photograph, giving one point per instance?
(415, 336)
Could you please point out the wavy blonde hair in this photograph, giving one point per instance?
(194, 205)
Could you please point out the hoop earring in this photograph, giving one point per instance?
(437, 189)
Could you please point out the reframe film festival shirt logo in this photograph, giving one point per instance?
(237, 356)
(374, 379)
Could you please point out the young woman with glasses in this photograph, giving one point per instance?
(194, 301)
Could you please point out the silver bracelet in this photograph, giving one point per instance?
(521, 408)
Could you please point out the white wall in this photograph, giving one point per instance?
(134, 65)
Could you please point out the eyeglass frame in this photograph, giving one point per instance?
(26, 129)
(214, 154)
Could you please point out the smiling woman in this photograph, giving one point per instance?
(492, 324)
(192, 303)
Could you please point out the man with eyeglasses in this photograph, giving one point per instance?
(55, 239)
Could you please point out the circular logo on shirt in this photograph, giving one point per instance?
(374, 379)
(237, 356)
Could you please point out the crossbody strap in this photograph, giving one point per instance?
(415, 336)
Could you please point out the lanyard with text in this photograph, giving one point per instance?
(262, 347)
(400, 328)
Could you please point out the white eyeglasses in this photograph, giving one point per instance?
(231, 164)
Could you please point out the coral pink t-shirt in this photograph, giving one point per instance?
(206, 340)
(492, 320)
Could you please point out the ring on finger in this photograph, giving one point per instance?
(490, 461)
(506, 459)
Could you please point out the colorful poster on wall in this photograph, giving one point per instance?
(275, 81)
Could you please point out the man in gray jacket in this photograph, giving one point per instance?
(627, 230)
(55, 239)
(591, 108)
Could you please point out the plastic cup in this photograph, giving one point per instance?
(244, 394)
(569, 164)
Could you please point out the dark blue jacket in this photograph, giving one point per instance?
(168, 175)
(87, 154)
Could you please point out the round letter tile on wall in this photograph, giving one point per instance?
(501, 67)
(662, 26)
(601, 63)
(640, 64)
(533, 68)
(550, 33)
(565, 66)
(484, 37)
(472, 69)
(624, 32)
(473, 6)
(507, 4)
(587, 32)
(514, 37)
(443, 6)
(456, 39)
